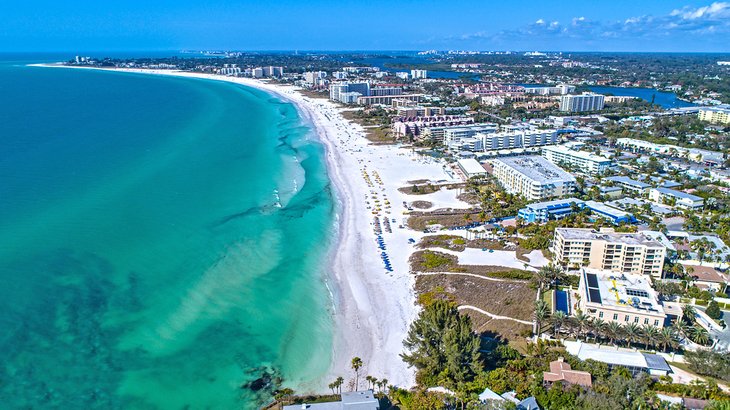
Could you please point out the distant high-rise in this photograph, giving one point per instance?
(345, 92)
(272, 71)
(417, 74)
(580, 103)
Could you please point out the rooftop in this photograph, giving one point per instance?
(624, 291)
(561, 371)
(537, 169)
(471, 166)
(628, 181)
(607, 210)
(707, 274)
(557, 203)
(587, 234)
(615, 356)
(678, 194)
(357, 400)
(580, 154)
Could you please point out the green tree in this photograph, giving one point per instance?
(713, 310)
(709, 363)
(441, 345)
(558, 320)
(542, 312)
(356, 364)
(614, 331)
(632, 332)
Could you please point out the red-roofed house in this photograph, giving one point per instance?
(561, 372)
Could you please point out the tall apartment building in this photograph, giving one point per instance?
(338, 91)
(313, 77)
(715, 115)
(517, 139)
(533, 177)
(582, 160)
(580, 103)
(452, 134)
(617, 252)
(417, 74)
(272, 71)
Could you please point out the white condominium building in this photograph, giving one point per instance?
(583, 102)
(676, 198)
(584, 161)
(617, 252)
(533, 177)
(418, 74)
(622, 298)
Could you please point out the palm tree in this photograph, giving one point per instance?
(582, 322)
(598, 328)
(689, 313)
(667, 337)
(369, 379)
(332, 386)
(681, 328)
(558, 320)
(338, 383)
(650, 335)
(356, 364)
(699, 335)
(384, 385)
(542, 312)
(614, 331)
(633, 333)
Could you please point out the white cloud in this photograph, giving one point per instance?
(711, 21)
(717, 10)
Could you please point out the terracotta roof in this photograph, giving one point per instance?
(561, 371)
(706, 274)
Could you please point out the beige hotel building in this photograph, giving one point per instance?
(622, 298)
(630, 253)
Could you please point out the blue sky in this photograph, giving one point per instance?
(587, 25)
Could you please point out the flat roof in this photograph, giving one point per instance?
(616, 356)
(554, 203)
(588, 234)
(537, 168)
(580, 154)
(607, 210)
(471, 166)
(625, 291)
(679, 194)
(628, 181)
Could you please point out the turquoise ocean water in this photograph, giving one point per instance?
(162, 241)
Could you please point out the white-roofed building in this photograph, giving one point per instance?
(676, 198)
(621, 298)
(356, 400)
(635, 361)
(533, 177)
(471, 168)
(583, 161)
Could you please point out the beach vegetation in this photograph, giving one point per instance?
(429, 260)
(442, 346)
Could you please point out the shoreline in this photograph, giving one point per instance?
(372, 308)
